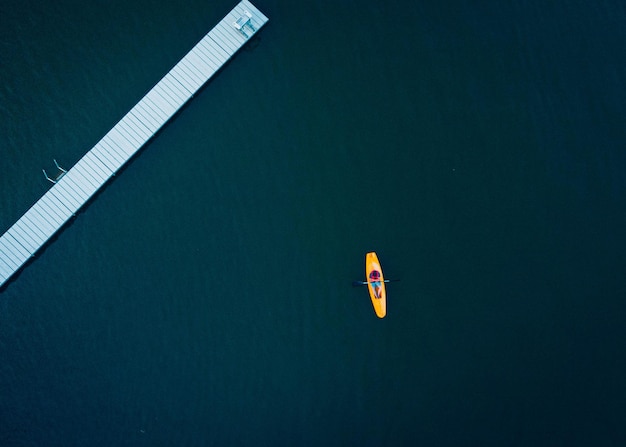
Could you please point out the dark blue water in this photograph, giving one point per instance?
(204, 297)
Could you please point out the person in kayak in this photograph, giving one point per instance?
(375, 281)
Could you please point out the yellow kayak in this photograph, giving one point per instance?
(376, 284)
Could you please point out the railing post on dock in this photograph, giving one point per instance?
(47, 178)
(59, 167)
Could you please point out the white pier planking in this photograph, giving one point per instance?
(76, 186)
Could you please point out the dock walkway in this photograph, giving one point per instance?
(74, 187)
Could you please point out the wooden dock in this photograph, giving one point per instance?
(74, 187)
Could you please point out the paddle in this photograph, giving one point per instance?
(363, 283)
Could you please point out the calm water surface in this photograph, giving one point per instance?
(204, 297)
